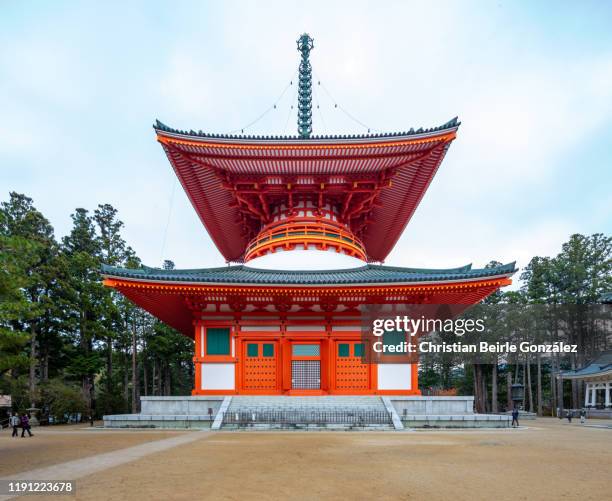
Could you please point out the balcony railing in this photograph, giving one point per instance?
(306, 231)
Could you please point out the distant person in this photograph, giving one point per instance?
(25, 425)
(582, 415)
(15, 422)
(569, 416)
(515, 415)
(559, 413)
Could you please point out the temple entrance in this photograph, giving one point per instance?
(260, 366)
(352, 375)
(306, 366)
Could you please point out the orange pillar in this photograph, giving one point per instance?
(197, 337)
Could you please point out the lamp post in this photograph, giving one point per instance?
(517, 393)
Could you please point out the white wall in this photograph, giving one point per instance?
(394, 376)
(218, 377)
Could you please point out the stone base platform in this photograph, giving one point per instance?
(456, 421)
(307, 413)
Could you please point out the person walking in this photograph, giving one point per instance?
(569, 416)
(582, 415)
(15, 422)
(25, 425)
(515, 415)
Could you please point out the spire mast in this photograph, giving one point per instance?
(304, 45)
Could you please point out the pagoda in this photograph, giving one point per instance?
(258, 330)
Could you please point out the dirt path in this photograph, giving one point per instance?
(57, 444)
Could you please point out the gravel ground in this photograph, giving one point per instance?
(547, 460)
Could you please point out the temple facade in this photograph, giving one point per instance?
(258, 330)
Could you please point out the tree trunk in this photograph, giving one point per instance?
(109, 364)
(168, 381)
(524, 403)
(539, 384)
(530, 390)
(476, 388)
(32, 373)
(126, 379)
(509, 389)
(134, 373)
(145, 377)
(483, 392)
(574, 385)
(479, 396)
(561, 404)
(494, 388)
(44, 368)
(553, 384)
(153, 387)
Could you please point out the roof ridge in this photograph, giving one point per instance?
(452, 123)
(458, 269)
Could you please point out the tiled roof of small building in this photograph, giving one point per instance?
(601, 365)
(606, 298)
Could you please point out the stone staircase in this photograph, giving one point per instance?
(308, 413)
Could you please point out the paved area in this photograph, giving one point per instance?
(547, 459)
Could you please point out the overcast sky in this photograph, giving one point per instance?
(82, 82)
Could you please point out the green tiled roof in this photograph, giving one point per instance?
(601, 365)
(606, 298)
(159, 126)
(369, 274)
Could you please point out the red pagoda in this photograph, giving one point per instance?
(287, 332)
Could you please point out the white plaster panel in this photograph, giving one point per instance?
(218, 377)
(307, 328)
(394, 376)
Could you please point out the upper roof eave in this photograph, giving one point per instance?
(450, 126)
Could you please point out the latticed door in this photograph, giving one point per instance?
(306, 366)
(260, 365)
(306, 374)
(351, 373)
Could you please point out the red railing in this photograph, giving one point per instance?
(305, 231)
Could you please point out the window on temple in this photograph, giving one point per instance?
(218, 341)
(343, 350)
(268, 350)
(306, 350)
(393, 338)
(252, 350)
(358, 349)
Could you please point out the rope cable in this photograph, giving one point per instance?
(290, 110)
(316, 96)
(267, 110)
(341, 108)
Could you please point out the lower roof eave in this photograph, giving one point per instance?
(325, 285)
